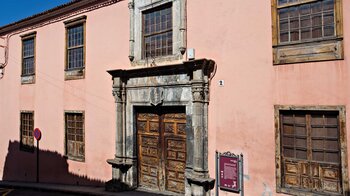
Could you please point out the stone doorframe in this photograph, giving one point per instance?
(185, 84)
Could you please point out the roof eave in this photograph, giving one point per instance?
(47, 15)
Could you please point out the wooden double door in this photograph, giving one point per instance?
(161, 134)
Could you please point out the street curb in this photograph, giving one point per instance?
(50, 188)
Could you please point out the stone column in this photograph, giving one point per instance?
(120, 165)
(198, 178)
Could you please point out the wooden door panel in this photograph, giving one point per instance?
(175, 164)
(148, 138)
(162, 150)
(175, 146)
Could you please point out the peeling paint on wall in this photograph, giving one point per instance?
(267, 190)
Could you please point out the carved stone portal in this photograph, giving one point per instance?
(185, 85)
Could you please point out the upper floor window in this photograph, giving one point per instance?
(28, 58)
(26, 131)
(307, 30)
(158, 32)
(75, 48)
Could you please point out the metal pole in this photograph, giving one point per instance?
(37, 161)
(217, 174)
(242, 176)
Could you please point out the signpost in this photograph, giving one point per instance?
(37, 135)
(229, 172)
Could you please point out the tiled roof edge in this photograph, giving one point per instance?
(50, 14)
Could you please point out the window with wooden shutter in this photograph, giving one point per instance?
(26, 131)
(310, 146)
(75, 140)
(307, 30)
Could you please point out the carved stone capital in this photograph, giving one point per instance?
(131, 5)
(198, 94)
(119, 95)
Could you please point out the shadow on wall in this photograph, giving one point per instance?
(21, 166)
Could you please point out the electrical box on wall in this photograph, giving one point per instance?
(191, 54)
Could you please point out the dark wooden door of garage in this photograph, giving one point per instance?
(161, 148)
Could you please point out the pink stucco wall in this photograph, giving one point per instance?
(236, 34)
(51, 95)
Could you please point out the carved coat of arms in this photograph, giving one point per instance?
(156, 95)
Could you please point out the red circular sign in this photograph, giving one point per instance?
(37, 133)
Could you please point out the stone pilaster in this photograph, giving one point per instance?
(198, 178)
(120, 164)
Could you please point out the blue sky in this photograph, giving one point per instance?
(15, 10)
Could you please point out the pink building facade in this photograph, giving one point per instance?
(117, 94)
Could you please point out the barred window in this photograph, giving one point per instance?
(27, 127)
(28, 58)
(75, 141)
(75, 47)
(158, 32)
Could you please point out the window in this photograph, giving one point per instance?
(26, 131)
(28, 58)
(307, 30)
(158, 32)
(310, 144)
(75, 140)
(75, 48)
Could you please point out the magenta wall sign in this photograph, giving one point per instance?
(229, 173)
